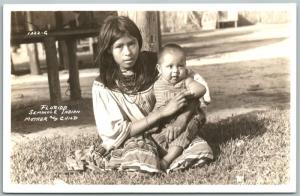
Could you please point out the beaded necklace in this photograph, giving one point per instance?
(127, 85)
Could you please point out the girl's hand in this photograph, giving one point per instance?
(172, 133)
(175, 104)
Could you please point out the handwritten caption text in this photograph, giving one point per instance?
(52, 113)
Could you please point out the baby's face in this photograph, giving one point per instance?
(173, 66)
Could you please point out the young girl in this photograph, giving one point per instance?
(123, 100)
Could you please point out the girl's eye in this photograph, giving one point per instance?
(132, 44)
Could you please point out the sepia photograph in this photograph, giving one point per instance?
(178, 98)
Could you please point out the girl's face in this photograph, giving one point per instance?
(125, 52)
(172, 66)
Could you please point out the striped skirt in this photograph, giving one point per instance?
(142, 154)
(137, 154)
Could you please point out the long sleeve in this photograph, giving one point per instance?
(112, 124)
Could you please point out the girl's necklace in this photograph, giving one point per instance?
(127, 85)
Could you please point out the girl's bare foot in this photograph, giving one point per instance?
(173, 153)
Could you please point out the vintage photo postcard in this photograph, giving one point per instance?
(149, 98)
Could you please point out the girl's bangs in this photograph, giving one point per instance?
(118, 34)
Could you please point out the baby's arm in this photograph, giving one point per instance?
(197, 90)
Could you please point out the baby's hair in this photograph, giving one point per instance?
(169, 48)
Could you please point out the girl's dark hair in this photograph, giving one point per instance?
(113, 29)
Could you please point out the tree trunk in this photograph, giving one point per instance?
(149, 25)
(32, 50)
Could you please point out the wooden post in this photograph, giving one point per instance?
(149, 25)
(64, 56)
(32, 50)
(52, 68)
(33, 59)
(62, 48)
(59, 25)
(75, 92)
(13, 71)
(158, 32)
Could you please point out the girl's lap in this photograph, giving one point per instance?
(137, 154)
(141, 154)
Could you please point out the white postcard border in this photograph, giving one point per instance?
(16, 188)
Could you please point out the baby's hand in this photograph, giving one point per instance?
(176, 127)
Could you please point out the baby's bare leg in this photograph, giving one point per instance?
(173, 153)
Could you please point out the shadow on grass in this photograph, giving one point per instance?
(20, 112)
(248, 125)
(251, 100)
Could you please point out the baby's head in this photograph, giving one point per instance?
(172, 63)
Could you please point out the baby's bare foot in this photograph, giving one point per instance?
(164, 165)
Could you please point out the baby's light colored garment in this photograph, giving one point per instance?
(205, 100)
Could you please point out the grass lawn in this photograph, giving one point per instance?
(249, 149)
(252, 148)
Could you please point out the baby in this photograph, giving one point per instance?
(175, 134)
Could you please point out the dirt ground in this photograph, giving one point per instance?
(247, 69)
